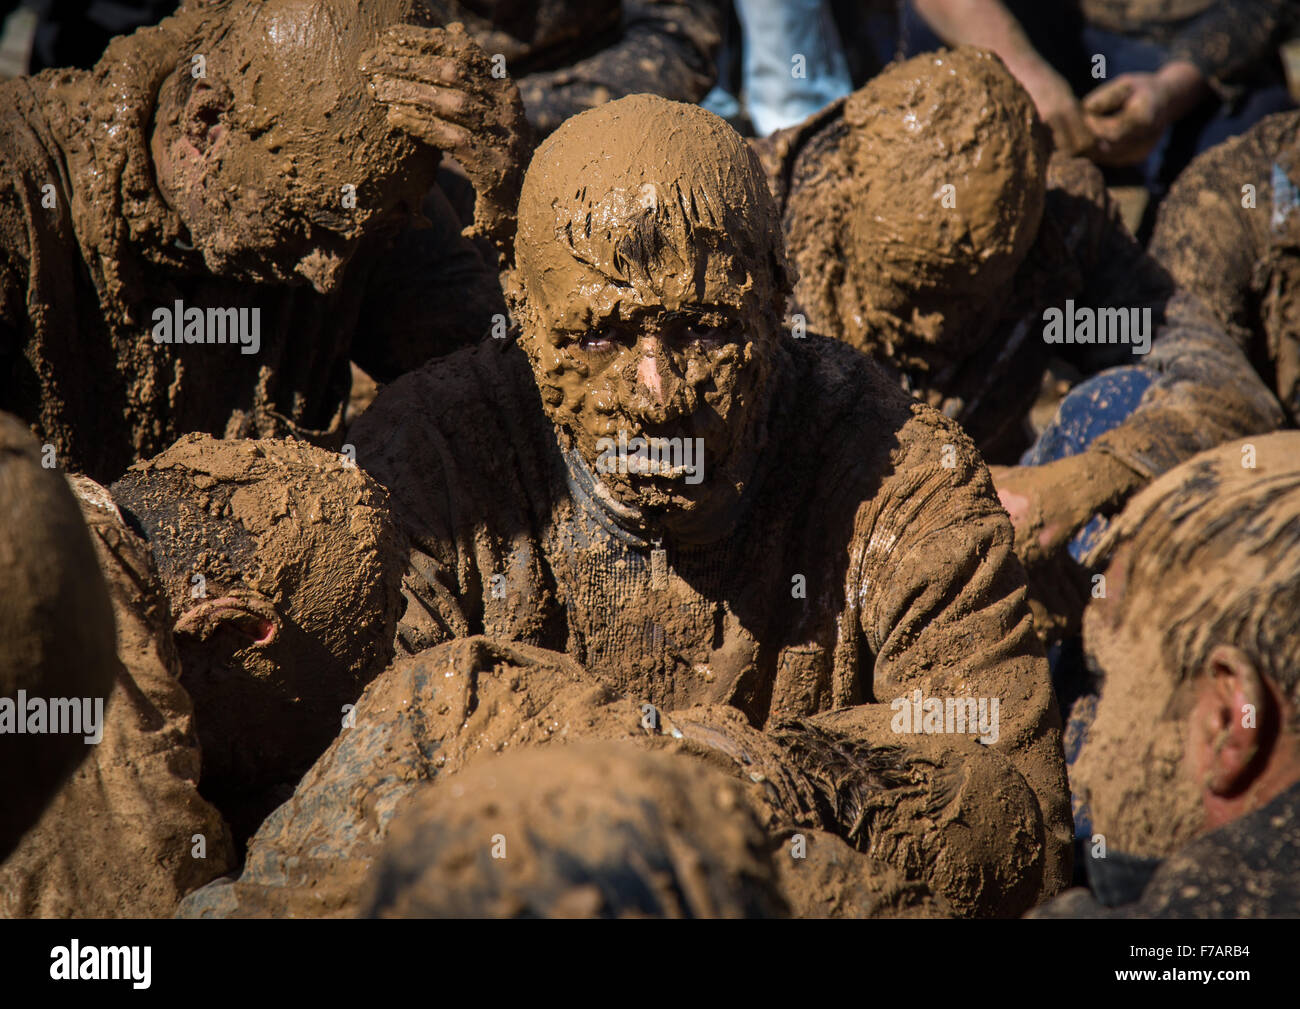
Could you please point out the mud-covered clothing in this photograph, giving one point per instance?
(88, 253)
(1222, 37)
(1238, 249)
(1249, 868)
(567, 57)
(1202, 393)
(119, 839)
(438, 713)
(860, 566)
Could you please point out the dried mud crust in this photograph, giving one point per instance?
(119, 838)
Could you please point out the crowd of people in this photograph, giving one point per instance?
(651, 459)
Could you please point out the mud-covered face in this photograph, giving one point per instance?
(275, 156)
(1132, 771)
(653, 281)
(693, 372)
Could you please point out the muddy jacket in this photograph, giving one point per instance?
(88, 252)
(1238, 249)
(567, 57)
(1249, 868)
(869, 561)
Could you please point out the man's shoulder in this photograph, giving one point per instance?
(855, 416)
(454, 415)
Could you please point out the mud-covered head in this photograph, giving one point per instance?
(282, 568)
(908, 223)
(1202, 592)
(585, 830)
(653, 280)
(269, 144)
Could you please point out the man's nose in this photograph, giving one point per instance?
(647, 372)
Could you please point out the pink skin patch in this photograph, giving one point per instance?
(647, 373)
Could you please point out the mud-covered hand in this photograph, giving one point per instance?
(439, 86)
(1058, 108)
(1130, 114)
(1048, 504)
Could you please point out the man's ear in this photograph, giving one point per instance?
(1233, 709)
(245, 612)
(203, 117)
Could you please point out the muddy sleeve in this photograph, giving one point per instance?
(429, 293)
(942, 607)
(406, 451)
(1208, 240)
(1232, 36)
(1205, 393)
(666, 48)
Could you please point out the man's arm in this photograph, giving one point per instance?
(989, 25)
(980, 812)
(943, 610)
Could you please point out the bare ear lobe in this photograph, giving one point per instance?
(248, 613)
(1240, 707)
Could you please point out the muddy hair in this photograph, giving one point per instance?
(1214, 559)
(862, 182)
(645, 191)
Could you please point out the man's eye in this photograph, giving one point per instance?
(713, 335)
(596, 343)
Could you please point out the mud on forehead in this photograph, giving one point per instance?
(645, 203)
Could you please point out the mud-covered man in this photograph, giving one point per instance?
(932, 229)
(255, 586)
(813, 546)
(1191, 773)
(197, 234)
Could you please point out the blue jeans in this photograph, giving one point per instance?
(792, 63)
